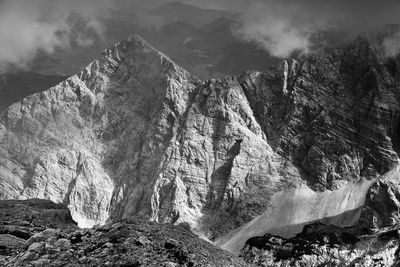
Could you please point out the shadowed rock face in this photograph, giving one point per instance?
(337, 119)
(134, 134)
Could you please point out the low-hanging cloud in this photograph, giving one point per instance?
(286, 26)
(31, 26)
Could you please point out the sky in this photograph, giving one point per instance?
(278, 26)
(30, 26)
(284, 26)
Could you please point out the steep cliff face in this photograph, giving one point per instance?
(338, 116)
(136, 135)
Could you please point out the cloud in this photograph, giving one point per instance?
(391, 45)
(277, 28)
(286, 26)
(31, 26)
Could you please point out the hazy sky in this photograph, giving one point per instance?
(279, 26)
(282, 26)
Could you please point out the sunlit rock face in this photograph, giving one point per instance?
(134, 134)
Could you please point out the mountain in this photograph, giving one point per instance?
(181, 12)
(236, 158)
(110, 140)
(15, 86)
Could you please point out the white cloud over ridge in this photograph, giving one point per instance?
(286, 26)
(30, 26)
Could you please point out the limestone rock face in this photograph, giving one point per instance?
(134, 134)
(381, 208)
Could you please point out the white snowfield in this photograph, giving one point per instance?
(290, 210)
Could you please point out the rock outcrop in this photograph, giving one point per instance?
(42, 233)
(324, 245)
(22, 219)
(134, 134)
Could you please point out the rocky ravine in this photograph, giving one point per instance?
(134, 134)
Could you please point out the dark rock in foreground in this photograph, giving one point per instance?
(323, 245)
(125, 243)
(21, 219)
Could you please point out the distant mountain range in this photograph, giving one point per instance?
(195, 16)
(199, 39)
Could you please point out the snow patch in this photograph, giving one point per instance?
(290, 210)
